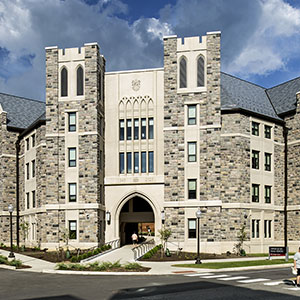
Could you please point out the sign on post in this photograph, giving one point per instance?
(277, 251)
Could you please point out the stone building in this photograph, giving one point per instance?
(110, 153)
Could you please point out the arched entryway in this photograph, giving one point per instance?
(136, 216)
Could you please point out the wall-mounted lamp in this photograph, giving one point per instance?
(163, 217)
(108, 217)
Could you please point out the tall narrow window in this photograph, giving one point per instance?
(136, 162)
(255, 192)
(182, 73)
(72, 157)
(150, 128)
(150, 162)
(129, 162)
(192, 151)
(27, 201)
(255, 128)
(255, 228)
(121, 163)
(192, 228)
(72, 230)
(33, 140)
(72, 192)
(255, 159)
(121, 130)
(129, 129)
(192, 187)
(33, 199)
(64, 83)
(136, 129)
(267, 161)
(72, 121)
(268, 229)
(79, 81)
(33, 168)
(200, 72)
(27, 144)
(144, 165)
(191, 114)
(268, 131)
(27, 171)
(267, 194)
(143, 128)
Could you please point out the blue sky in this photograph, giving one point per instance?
(260, 38)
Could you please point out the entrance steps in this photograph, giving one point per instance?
(123, 254)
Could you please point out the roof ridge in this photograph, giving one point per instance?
(23, 98)
(283, 83)
(244, 80)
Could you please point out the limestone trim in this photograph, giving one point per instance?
(210, 126)
(278, 144)
(173, 128)
(79, 133)
(213, 32)
(51, 47)
(190, 203)
(293, 142)
(134, 71)
(134, 183)
(236, 134)
(74, 206)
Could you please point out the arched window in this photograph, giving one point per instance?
(182, 73)
(79, 81)
(64, 82)
(200, 71)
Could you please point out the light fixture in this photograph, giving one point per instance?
(108, 215)
(198, 215)
(163, 216)
(10, 210)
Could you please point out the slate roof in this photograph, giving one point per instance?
(21, 112)
(283, 96)
(240, 94)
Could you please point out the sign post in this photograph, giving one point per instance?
(278, 251)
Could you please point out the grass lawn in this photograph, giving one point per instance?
(236, 264)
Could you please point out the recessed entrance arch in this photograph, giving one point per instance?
(136, 216)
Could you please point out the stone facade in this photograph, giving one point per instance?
(115, 173)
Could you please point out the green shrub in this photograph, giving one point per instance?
(90, 253)
(150, 253)
(132, 266)
(84, 256)
(15, 263)
(3, 260)
(62, 266)
(74, 259)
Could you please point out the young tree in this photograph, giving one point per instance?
(242, 237)
(24, 229)
(164, 236)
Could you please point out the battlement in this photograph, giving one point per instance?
(71, 54)
(191, 43)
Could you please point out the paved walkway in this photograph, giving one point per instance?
(125, 254)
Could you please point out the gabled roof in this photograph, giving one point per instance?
(240, 94)
(283, 96)
(21, 112)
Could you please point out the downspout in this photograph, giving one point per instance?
(285, 136)
(17, 192)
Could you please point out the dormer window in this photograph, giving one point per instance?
(182, 73)
(200, 72)
(64, 82)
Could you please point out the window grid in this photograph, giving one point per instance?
(255, 159)
(255, 228)
(268, 132)
(267, 194)
(182, 73)
(64, 82)
(33, 168)
(136, 129)
(27, 200)
(129, 129)
(192, 110)
(255, 192)
(72, 230)
(267, 161)
(150, 128)
(192, 187)
(121, 130)
(121, 163)
(79, 81)
(192, 229)
(72, 192)
(267, 229)
(192, 149)
(143, 128)
(72, 121)
(72, 157)
(200, 72)
(27, 144)
(33, 199)
(33, 140)
(255, 128)
(27, 171)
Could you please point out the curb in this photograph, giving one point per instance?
(2, 266)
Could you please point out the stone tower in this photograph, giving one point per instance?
(202, 172)
(74, 198)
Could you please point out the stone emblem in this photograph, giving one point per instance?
(136, 84)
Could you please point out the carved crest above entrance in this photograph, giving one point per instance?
(136, 84)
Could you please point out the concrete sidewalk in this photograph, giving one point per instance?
(125, 255)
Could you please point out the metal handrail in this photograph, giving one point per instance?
(143, 248)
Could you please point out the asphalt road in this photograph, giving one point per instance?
(270, 284)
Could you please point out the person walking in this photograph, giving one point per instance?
(134, 238)
(297, 267)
